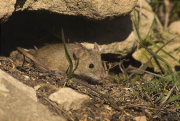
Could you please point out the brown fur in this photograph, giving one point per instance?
(53, 56)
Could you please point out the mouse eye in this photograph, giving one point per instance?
(91, 65)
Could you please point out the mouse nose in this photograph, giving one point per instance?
(101, 76)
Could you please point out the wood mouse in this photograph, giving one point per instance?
(89, 67)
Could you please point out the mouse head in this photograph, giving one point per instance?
(90, 64)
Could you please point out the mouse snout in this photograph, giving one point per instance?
(101, 76)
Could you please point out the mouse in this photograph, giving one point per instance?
(90, 64)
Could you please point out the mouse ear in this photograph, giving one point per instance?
(96, 47)
(80, 53)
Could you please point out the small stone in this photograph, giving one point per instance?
(68, 99)
(107, 107)
(26, 77)
(140, 118)
(37, 87)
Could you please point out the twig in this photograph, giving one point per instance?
(105, 67)
(112, 67)
(141, 70)
(143, 106)
(33, 58)
(168, 6)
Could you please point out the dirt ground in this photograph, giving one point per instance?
(98, 108)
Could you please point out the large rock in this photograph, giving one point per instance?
(16, 105)
(30, 92)
(114, 34)
(6, 9)
(91, 9)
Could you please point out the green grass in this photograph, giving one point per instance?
(71, 71)
(164, 87)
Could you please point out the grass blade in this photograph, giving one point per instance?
(67, 56)
(162, 50)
